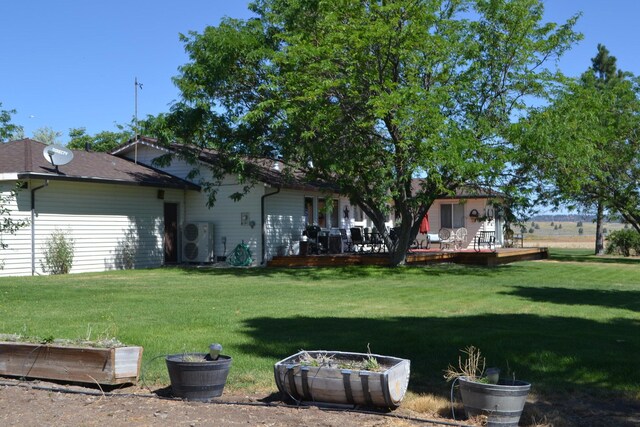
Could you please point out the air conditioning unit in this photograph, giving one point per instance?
(197, 242)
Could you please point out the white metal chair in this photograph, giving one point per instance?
(460, 237)
(447, 238)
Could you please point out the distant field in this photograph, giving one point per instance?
(564, 234)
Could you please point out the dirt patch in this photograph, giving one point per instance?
(37, 403)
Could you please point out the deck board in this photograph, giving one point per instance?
(420, 256)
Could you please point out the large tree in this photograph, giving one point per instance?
(104, 141)
(47, 135)
(7, 129)
(368, 95)
(585, 143)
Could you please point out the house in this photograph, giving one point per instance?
(270, 218)
(110, 206)
(122, 210)
(470, 208)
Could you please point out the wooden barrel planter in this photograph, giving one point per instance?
(195, 376)
(339, 383)
(502, 403)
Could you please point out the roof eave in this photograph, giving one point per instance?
(98, 180)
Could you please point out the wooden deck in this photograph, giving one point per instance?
(419, 256)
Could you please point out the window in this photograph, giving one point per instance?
(309, 212)
(322, 213)
(335, 213)
(452, 215)
(358, 215)
(316, 212)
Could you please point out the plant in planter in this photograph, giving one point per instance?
(198, 376)
(484, 393)
(343, 378)
(105, 361)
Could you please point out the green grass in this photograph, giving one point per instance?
(573, 324)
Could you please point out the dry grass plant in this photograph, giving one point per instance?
(325, 360)
(429, 404)
(472, 366)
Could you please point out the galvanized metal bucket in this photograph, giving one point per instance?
(502, 403)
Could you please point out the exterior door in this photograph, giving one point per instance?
(170, 233)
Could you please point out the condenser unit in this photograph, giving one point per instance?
(197, 239)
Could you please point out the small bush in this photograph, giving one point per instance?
(58, 253)
(579, 224)
(531, 230)
(581, 231)
(623, 242)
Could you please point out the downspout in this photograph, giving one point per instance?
(264, 231)
(33, 226)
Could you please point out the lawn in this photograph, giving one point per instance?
(571, 323)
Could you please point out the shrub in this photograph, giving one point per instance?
(531, 230)
(581, 231)
(623, 242)
(58, 253)
(579, 224)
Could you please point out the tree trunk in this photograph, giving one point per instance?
(398, 256)
(599, 229)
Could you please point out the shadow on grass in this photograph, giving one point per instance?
(626, 300)
(554, 353)
(588, 256)
(355, 272)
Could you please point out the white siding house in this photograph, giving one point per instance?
(270, 218)
(110, 207)
(123, 210)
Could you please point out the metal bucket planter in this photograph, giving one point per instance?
(502, 403)
(195, 376)
(343, 386)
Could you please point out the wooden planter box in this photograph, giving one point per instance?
(335, 385)
(114, 365)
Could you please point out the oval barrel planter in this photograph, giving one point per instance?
(336, 385)
(502, 403)
(194, 376)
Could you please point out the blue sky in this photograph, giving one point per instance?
(72, 63)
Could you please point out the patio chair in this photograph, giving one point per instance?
(447, 238)
(313, 232)
(512, 240)
(460, 237)
(357, 238)
(346, 242)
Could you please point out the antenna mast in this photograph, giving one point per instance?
(135, 117)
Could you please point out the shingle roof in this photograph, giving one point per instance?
(25, 159)
(260, 169)
(463, 192)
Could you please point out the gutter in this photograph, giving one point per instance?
(33, 225)
(264, 231)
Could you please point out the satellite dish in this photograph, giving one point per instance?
(57, 155)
